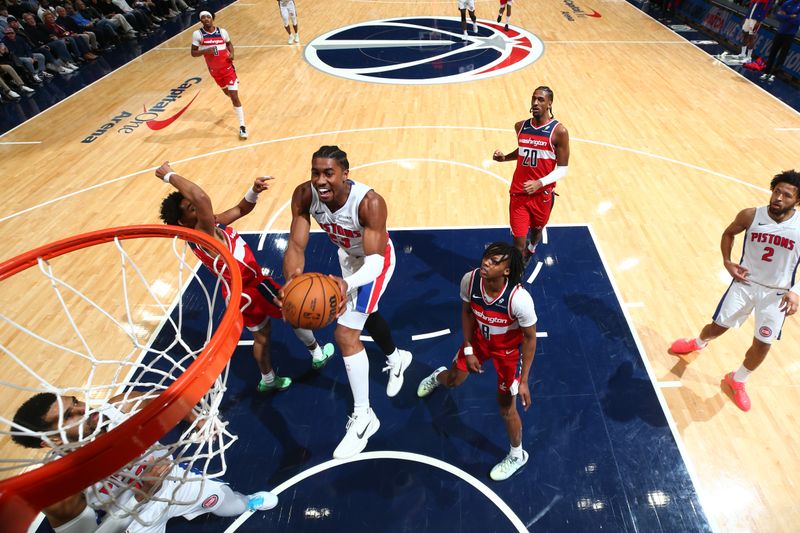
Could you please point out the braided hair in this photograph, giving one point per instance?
(548, 91)
(508, 252)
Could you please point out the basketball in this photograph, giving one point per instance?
(311, 301)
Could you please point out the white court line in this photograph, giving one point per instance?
(682, 41)
(787, 129)
(631, 305)
(365, 338)
(364, 130)
(430, 335)
(535, 272)
(183, 48)
(653, 380)
(245, 343)
(669, 384)
(544, 235)
(541, 334)
(404, 456)
(21, 142)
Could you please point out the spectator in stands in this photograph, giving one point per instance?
(788, 14)
(7, 72)
(34, 62)
(42, 37)
(117, 20)
(81, 41)
(102, 34)
(135, 18)
(53, 62)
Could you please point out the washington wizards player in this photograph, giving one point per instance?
(215, 45)
(542, 158)
(764, 281)
(497, 314)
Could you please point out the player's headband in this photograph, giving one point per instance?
(205, 13)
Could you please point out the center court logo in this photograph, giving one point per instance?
(422, 51)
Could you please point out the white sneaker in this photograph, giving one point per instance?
(427, 385)
(771, 77)
(37, 79)
(297, 38)
(396, 372)
(291, 38)
(64, 70)
(12, 94)
(359, 429)
(474, 27)
(242, 132)
(27, 89)
(508, 467)
(262, 501)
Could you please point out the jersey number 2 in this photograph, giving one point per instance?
(768, 254)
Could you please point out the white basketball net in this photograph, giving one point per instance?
(107, 328)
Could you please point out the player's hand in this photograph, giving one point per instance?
(531, 186)
(152, 478)
(473, 365)
(163, 170)
(499, 156)
(737, 271)
(262, 183)
(290, 277)
(524, 395)
(789, 303)
(343, 288)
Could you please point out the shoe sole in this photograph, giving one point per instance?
(319, 365)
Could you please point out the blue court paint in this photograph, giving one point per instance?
(602, 456)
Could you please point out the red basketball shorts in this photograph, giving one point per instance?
(258, 304)
(530, 211)
(506, 363)
(226, 78)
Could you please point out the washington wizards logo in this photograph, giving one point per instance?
(422, 51)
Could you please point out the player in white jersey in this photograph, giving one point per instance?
(288, 9)
(176, 491)
(354, 217)
(497, 315)
(463, 7)
(763, 282)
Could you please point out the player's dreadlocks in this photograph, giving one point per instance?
(333, 152)
(508, 252)
(547, 90)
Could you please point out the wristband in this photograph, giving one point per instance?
(468, 350)
(167, 176)
(251, 196)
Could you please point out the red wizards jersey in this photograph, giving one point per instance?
(251, 270)
(497, 325)
(217, 39)
(537, 155)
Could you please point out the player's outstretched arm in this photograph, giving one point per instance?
(200, 201)
(294, 261)
(246, 204)
(739, 224)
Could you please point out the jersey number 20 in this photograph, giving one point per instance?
(529, 156)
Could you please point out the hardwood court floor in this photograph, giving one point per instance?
(667, 146)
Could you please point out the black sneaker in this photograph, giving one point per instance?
(242, 132)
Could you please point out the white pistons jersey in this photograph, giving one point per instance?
(772, 250)
(343, 227)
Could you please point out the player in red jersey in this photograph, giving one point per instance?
(215, 45)
(542, 157)
(505, 4)
(497, 314)
(190, 206)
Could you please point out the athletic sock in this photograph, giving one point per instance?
(742, 374)
(700, 342)
(240, 114)
(357, 366)
(744, 50)
(268, 377)
(516, 451)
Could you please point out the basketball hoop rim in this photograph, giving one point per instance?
(23, 496)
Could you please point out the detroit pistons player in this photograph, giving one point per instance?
(762, 281)
(190, 206)
(175, 492)
(542, 157)
(215, 45)
(354, 217)
(497, 314)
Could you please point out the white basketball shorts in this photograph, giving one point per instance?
(740, 300)
(469, 5)
(362, 301)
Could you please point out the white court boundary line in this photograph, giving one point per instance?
(363, 130)
(656, 386)
(397, 455)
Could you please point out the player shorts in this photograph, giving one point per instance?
(507, 363)
(740, 300)
(751, 26)
(362, 301)
(288, 9)
(504, 3)
(258, 304)
(466, 4)
(530, 211)
(226, 78)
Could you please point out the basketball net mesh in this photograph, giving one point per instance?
(115, 329)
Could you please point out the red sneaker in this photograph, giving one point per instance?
(683, 346)
(740, 397)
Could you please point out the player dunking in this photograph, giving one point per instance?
(497, 314)
(542, 157)
(215, 45)
(190, 206)
(762, 281)
(354, 217)
(288, 9)
(505, 4)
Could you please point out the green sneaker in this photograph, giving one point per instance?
(327, 353)
(508, 467)
(278, 384)
(427, 385)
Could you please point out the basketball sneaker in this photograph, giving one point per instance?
(396, 372)
(506, 27)
(278, 384)
(684, 346)
(427, 385)
(740, 397)
(297, 38)
(360, 427)
(508, 467)
(242, 132)
(499, 17)
(262, 501)
(474, 27)
(291, 38)
(327, 353)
